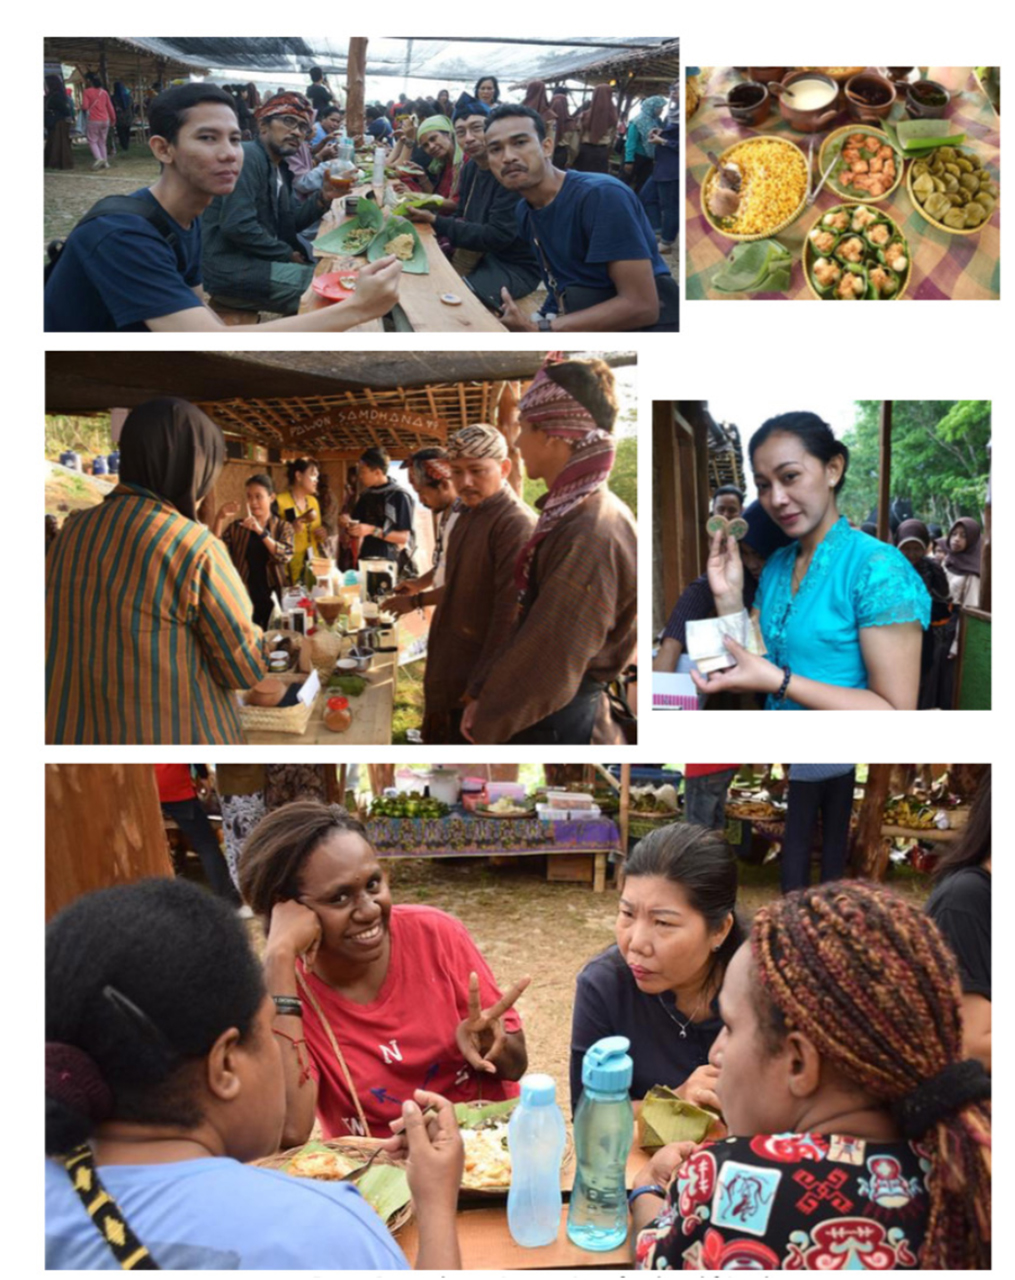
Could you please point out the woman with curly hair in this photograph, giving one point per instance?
(860, 1132)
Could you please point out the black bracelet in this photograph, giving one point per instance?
(651, 1189)
(786, 678)
(288, 1006)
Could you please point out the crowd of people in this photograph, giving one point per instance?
(535, 613)
(841, 1038)
(848, 621)
(528, 210)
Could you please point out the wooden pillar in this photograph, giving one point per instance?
(354, 119)
(985, 557)
(103, 66)
(625, 819)
(885, 471)
(870, 857)
(103, 827)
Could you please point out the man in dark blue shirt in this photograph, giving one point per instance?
(595, 244)
(121, 272)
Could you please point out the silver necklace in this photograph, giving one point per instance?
(673, 1017)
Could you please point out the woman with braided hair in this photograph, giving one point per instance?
(861, 1137)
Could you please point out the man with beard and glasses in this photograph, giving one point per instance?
(479, 602)
(430, 475)
(489, 252)
(134, 262)
(253, 259)
(594, 242)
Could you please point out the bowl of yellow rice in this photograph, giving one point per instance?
(773, 189)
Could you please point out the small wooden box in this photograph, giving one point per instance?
(570, 866)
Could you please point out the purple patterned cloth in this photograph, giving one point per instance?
(468, 835)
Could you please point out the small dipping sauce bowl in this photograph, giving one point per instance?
(926, 100)
(869, 97)
(748, 103)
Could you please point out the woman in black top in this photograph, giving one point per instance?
(960, 907)
(57, 115)
(913, 539)
(676, 932)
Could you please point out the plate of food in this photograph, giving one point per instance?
(856, 253)
(842, 74)
(506, 808)
(384, 1185)
(484, 1127)
(407, 169)
(761, 189)
(400, 238)
(952, 189)
(867, 168)
(335, 286)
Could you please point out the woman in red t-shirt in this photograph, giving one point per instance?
(101, 113)
(374, 1000)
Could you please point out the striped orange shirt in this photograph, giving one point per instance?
(148, 628)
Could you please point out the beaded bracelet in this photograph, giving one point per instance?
(288, 1006)
(786, 677)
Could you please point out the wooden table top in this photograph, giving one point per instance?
(418, 296)
(371, 715)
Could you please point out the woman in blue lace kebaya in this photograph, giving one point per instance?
(841, 614)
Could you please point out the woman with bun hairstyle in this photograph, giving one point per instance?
(841, 614)
(860, 1127)
(164, 1080)
(299, 507)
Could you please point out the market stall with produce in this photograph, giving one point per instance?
(843, 183)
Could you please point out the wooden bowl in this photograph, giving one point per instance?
(949, 231)
(844, 132)
(809, 253)
(728, 155)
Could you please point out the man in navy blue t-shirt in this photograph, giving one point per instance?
(120, 272)
(596, 247)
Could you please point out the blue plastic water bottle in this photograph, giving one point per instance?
(603, 1133)
(536, 1136)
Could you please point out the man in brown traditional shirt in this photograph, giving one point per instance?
(480, 600)
(577, 575)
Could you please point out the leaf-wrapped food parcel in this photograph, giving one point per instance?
(664, 1118)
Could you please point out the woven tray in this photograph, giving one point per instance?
(289, 720)
(348, 1146)
(826, 150)
(774, 230)
(808, 254)
(969, 152)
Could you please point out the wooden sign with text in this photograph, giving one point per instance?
(330, 424)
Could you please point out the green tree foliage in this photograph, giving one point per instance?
(623, 478)
(939, 458)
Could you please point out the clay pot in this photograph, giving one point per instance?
(749, 104)
(870, 97)
(762, 75)
(917, 105)
(814, 119)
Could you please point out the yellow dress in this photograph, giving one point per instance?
(304, 532)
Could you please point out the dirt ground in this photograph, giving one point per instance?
(70, 193)
(524, 924)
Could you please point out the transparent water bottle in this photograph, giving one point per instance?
(536, 1136)
(603, 1132)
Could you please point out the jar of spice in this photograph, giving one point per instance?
(337, 715)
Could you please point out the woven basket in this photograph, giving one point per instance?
(808, 254)
(949, 231)
(844, 132)
(289, 720)
(348, 1146)
(770, 231)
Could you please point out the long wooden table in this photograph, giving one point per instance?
(487, 1245)
(371, 715)
(419, 297)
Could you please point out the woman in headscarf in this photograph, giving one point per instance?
(962, 564)
(436, 135)
(913, 539)
(565, 143)
(597, 132)
(148, 624)
(124, 114)
(57, 115)
(639, 152)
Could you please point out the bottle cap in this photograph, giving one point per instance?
(538, 1090)
(607, 1065)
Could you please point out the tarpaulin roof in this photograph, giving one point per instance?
(424, 57)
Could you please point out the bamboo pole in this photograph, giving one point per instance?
(625, 819)
(355, 90)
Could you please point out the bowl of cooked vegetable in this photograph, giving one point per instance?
(952, 190)
(854, 253)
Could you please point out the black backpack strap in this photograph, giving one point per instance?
(130, 206)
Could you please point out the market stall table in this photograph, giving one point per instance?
(465, 835)
(944, 266)
(419, 297)
(371, 715)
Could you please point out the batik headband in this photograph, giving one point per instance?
(287, 104)
(436, 469)
(553, 409)
(477, 441)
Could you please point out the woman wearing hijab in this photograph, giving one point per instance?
(436, 135)
(913, 539)
(565, 133)
(639, 152)
(597, 132)
(148, 625)
(124, 114)
(962, 564)
(57, 115)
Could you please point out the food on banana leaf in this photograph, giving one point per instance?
(664, 1118)
(402, 246)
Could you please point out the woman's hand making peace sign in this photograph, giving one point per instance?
(481, 1037)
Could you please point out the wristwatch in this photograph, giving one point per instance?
(545, 324)
(263, 535)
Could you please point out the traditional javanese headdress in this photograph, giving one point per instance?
(286, 104)
(478, 441)
(553, 409)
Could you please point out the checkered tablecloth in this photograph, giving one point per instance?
(944, 266)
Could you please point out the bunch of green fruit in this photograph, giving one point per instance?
(411, 804)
